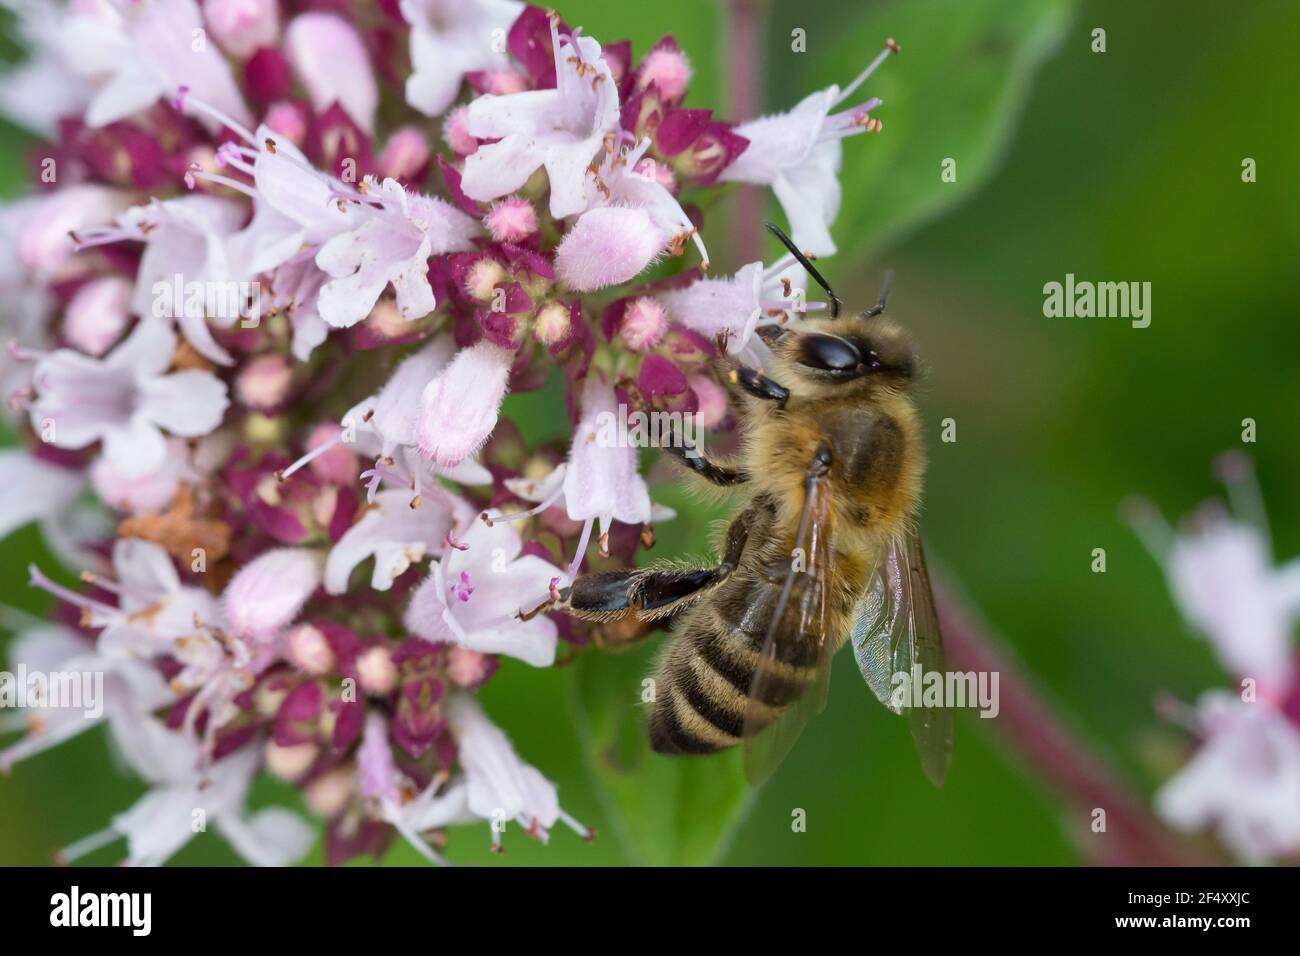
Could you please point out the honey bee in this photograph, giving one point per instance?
(823, 549)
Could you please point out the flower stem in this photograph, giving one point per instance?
(1058, 754)
(744, 90)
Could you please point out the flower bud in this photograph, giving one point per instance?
(287, 120)
(329, 793)
(310, 651)
(241, 26)
(98, 314)
(465, 667)
(668, 69)
(330, 60)
(482, 278)
(511, 220)
(553, 323)
(338, 465)
(264, 383)
(290, 763)
(644, 323)
(712, 400)
(455, 132)
(405, 154)
(376, 670)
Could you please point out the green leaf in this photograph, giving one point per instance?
(667, 811)
(954, 92)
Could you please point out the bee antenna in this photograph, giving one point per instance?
(879, 307)
(786, 241)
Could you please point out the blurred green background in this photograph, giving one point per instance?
(1123, 165)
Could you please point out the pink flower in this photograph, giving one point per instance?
(797, 153)
(501, 786)
(147, 53)
(503, 583)
(560, 130)
(331, 62)
(34, 489)
(450, 38)
(50, 223)
(242, 26)
(736, 306)
(1243, 782)
(144, 493)
(459, 408)
(125, 400)
(395, 535)
(393, 244)
(1221, 574)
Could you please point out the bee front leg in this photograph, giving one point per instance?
(754, 382)
(710, 471)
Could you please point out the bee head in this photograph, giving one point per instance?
(866, 351)
(849, 354)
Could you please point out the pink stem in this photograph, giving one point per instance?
(1055, 752)
(744, 53)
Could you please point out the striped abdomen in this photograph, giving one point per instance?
(704, 682)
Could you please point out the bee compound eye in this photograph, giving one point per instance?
(829, 353)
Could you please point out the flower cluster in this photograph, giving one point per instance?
(283, 263)
(1243, 780)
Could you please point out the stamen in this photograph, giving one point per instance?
(1150, 526)
(1238, 476)
(582, 548)
(197, 172)
(89, 605)
(890, 47)
(182, 99)
(87, 844)
(311, 456)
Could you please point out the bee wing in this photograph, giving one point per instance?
(796, 642)
(896, 628)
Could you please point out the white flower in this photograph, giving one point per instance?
(736, 306)
(473, 597)
(395, 535)
(392, 244)
(1244, 781)
(381, 783)
(34, 490)
(162, 821)
(1221, 575)
(146, 53)
(188, 245)
(45, 87)
(561, 129)
(798, 154)
(500, 785)
(450, 38)
(131, 689)
(125, 399)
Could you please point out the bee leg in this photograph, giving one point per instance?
(755, 383)
(708, 470)
(649, 594)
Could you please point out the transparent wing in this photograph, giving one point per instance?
(896, 632)
(793, 669)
